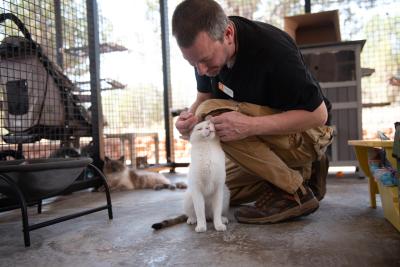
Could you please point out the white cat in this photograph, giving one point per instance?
(207, 196)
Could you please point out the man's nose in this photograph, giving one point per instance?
(201, 69)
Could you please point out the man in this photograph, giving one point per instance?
(268, 110)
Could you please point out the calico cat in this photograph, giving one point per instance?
(120, 177)
(207, 196)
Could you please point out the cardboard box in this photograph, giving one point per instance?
(314, 28)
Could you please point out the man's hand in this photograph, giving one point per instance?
(185, 123)
(231, 126)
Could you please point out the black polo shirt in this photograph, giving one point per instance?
(269, 70)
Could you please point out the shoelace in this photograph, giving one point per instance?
(265, 197)
(296, 195)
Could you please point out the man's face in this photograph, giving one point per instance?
(206, 54)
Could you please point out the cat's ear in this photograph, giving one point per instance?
(122, 159)
(208, 117)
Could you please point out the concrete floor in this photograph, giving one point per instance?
(343, 232)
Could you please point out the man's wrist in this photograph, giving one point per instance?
(252, 128)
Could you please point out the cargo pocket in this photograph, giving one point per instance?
(320, 137)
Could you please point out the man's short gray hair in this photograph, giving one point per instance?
(194, 16)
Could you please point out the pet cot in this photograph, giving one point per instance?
(27, 182)
(38, 100)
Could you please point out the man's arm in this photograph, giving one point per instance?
(201, 97)
(186, 119)
(289, 122)
(235, 126)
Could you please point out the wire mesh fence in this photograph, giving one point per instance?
(133, 103)
(41, 111)
(45, 81)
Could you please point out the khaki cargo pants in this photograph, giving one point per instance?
(282, 160)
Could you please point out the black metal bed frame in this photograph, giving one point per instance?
(22, 203)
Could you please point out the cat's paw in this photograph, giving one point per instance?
(201, 228)
(224, 220)
(181, 185)
(220, 227)
(159, 187)
(171, 187)
(191, 220)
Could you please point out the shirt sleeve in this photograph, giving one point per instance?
(203, 83)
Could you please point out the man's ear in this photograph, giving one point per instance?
(229, 34)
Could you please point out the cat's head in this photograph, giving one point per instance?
(113, 165)
(204, 130)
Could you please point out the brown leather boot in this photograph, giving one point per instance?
(280, 207)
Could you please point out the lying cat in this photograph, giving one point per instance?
(207, 196)
(120, 177)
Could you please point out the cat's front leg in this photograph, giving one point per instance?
(217, 210)
(188, 208)
(198, 203)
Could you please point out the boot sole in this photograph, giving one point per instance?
(305, 209)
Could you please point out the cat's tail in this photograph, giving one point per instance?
(170, 222)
